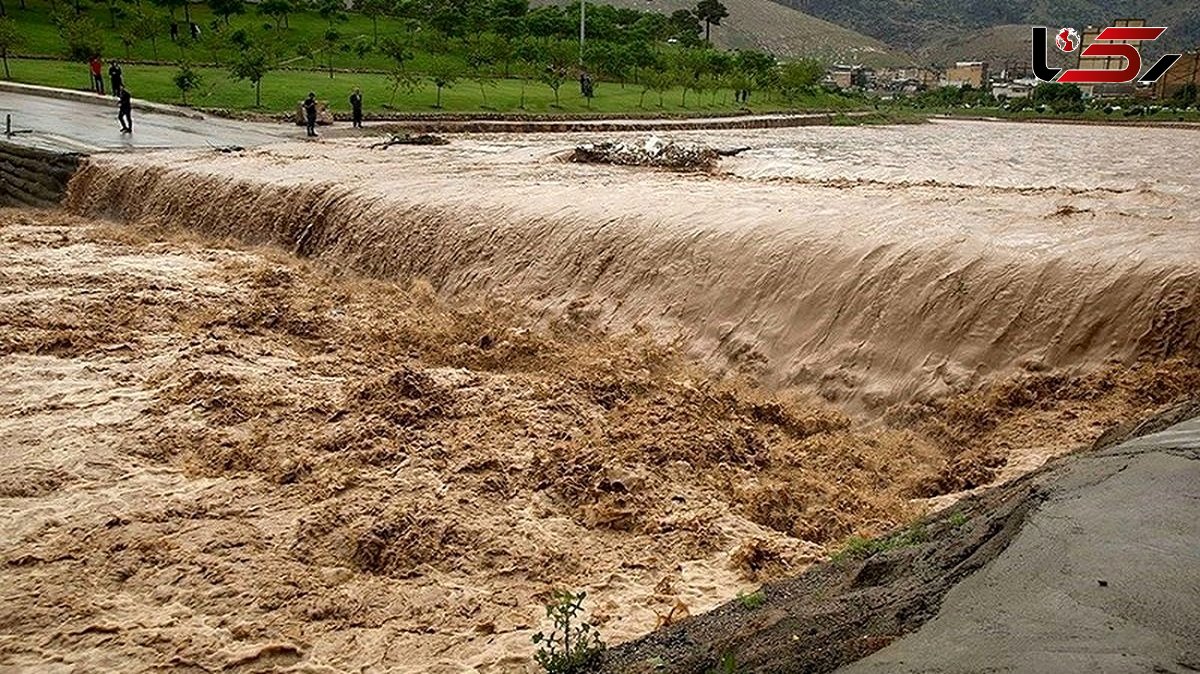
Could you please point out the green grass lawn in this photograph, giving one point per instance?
(283, 89)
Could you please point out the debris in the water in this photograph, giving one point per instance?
(653, 151)
(409, 139)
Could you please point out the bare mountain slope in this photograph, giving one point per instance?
(785, 32)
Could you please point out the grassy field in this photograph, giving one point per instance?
(283, 89)
(149, 77)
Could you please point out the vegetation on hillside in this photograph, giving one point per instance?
(401, 49)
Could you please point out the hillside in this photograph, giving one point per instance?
(928, 27)
(785, 32)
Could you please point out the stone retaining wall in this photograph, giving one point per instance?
(33, 177)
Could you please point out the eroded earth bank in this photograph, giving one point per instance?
(325, 408)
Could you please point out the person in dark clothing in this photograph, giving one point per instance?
(115, 76)
(125, 107)
(310, 113)
(174, 31)
(356, 107)
(97, 68)
(195, 28)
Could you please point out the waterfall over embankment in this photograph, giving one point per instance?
(870, 292)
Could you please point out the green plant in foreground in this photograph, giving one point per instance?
(573, 646)
(957, 519)
(752, 600)
(857, 547)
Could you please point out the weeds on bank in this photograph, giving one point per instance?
(752, 600)
(858, 547)
(573, 646)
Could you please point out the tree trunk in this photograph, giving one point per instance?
(439, 99)
(258, 94)
(154, 46)
(187, 13)
(375, 31)
(707, 29)
(4, 57)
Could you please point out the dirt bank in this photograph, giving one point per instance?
(1058, 566)
(219, 458)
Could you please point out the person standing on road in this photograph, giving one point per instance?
(97, 74)
(310, 113)
(115, 75)
(356, 107)
(125, 109)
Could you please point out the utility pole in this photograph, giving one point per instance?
(582, 28)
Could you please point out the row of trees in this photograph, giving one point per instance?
(477, 41)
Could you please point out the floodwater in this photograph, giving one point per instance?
(323, 408)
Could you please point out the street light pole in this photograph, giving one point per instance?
(582, 30)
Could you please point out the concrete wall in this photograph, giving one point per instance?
(33, 177)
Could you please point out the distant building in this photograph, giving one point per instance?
(1185, 71)
(967, 73)
(1106, 62)
(844, 76)
(906, 80)
(1014, 89)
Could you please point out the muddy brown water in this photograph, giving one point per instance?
(323, 407)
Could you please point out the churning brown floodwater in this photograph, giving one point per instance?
(876, 264)
(217, 456)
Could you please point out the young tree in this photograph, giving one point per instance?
(798, 77)
(659, 79)
(186, 79)
(277, 10)
(400, 78)
(444, 71)
(252, 65)
(227, 8)
(373, 9)
(332, 11)
(557, 58)
(710, 12)
(685, 27)
(147, 23)
(481, 51)
(82, 39)
(10, 38)
(114, 9)
(362, 46)
(332, 41)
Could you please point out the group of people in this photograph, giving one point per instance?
(117, 79)
(311, 109)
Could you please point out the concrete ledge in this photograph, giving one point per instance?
(33, 177)
(97, 99)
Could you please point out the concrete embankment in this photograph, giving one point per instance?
(34, 177)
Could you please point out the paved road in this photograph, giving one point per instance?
(89, 127)
(1105, 577)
